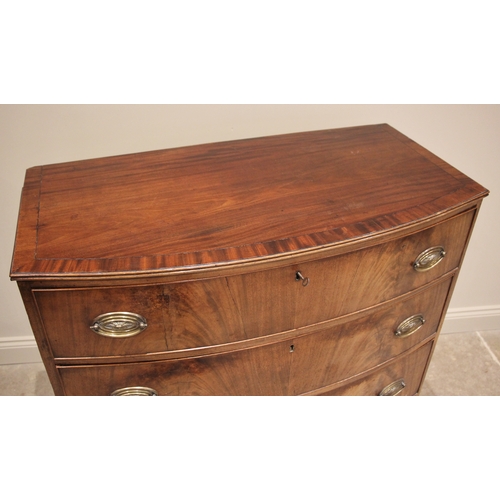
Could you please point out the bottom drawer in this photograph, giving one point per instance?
(400, 378)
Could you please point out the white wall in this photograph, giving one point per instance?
(466, 136)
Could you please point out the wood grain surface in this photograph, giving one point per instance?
(216, 204)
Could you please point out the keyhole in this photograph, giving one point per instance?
(292, 347)
(298, 277)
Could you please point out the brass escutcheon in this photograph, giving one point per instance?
(299, 277)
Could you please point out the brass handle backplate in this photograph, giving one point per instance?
(135, 391)
(409, 326)
(429, 258)
(394, 388)
(119, 324)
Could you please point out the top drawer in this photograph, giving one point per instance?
(223, 310)
(275, 300)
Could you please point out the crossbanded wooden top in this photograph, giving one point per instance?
(228, 203)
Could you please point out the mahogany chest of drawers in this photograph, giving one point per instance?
(315, 263)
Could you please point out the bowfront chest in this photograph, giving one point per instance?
(315, 263)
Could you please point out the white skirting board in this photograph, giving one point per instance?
(17, 350)
(472, 319)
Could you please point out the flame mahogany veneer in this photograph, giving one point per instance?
(309, 263)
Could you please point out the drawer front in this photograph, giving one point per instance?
(224, 310)
(401, 378)
(69, 318)
(253, 372)
(268, 302)
(177, 316)
(343, 351)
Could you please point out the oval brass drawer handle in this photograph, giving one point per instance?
(409, 326)
(394, 388)
(135, 391)
(429, 258)
(119, 324)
